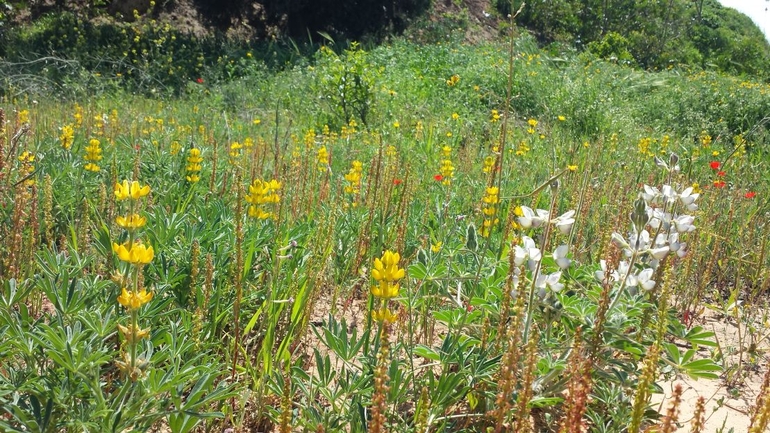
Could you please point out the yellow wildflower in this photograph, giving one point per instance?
(133, 333)
(130, 222)
(136, 253)
(24, 116)
(193, 168)
(134, 300)
(67, 136)
(323, 158)
(93, 155)
(384, 315)
(133, 191)
(387, 273)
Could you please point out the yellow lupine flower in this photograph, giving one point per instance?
(134, 221)
(386, 268)
(134, 300)
(132, 191)
(135, 254)
(385, 290)
(67, 136)
(384, 315)
(137, 334)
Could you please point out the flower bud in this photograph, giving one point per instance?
(639, 216)
(673, 159)
(471, 240)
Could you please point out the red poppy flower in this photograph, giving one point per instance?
(438, 177)
(715, 165)
(721, 173)
(750, 194)
(397, 182)
(199, 80)
(719, 183)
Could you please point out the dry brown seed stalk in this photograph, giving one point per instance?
(672, 414)
(699, 418)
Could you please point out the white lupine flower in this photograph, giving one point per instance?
(644, 279)
(660, 252)
(683, 223)
(620, 241)
(564, 222)
(621, 271)
(688, 199)
(669, 194)
(650, 194)
(641, 241)
(602, 273)
(560, 256)
(528, 252)
(536, 218)
(616, 275)
(673, 242)
(532, 218)
(551, 280)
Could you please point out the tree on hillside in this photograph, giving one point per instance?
(657, 33)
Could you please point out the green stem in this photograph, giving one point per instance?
(623, 283)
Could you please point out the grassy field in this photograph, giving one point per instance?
(412, 238)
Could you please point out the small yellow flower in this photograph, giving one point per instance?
(572, 167)
(67, 136)
(135, 335)
(396, 125)
(385, 290)
(133, 300)
(386, 268)
(715, 153)
(323, 158)
(261, 193)
(24, 116)
(561, 118)
(384, 315)
(130, 222)
(435, 248)
(133, 191)
(137, 253)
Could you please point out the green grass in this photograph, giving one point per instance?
(267, 323)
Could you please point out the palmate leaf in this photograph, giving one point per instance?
(683, 362)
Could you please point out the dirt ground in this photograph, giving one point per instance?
(729, 399)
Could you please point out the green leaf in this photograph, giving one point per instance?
(426, 352)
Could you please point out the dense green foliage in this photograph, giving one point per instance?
(265, 312)
(652, 34)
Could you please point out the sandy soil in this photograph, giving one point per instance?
(730, 399)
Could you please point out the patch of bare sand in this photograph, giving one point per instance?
(729, 399)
